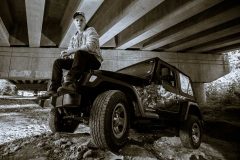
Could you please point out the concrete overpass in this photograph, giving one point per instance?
(190, 34)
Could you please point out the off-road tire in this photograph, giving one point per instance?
(102, 124)
(186, 134)
(58, 124)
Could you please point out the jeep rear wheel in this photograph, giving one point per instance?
(191, 133)
(58, 124)
(109, 120)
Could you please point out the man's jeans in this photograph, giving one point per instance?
(83, 61)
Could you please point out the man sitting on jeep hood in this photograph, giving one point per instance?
(82, 54)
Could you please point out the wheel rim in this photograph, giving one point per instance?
(119, 120)
(195, 133)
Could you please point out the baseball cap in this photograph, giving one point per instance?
(78, 13)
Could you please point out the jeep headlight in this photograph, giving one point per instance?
(92, 78)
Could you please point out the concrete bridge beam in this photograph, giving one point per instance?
(200, 22)
(119, 15)
(226, 49)
(165, 15)
(225, 29)
(34, 10)
(218, 43)
(4, 35)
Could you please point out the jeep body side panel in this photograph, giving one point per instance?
(106, 80)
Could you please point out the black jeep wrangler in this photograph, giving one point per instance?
(151, 92)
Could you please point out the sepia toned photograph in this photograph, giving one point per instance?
(119, 79)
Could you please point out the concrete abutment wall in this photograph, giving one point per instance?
(36, 63)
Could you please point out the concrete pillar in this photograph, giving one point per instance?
(200, 93)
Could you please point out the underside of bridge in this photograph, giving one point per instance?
(200, 26)
(186, 33)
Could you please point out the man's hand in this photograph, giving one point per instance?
(65, 53)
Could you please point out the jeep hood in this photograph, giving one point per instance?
(133, 80)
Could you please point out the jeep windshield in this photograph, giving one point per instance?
(142, 69)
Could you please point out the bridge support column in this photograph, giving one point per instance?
(200, 93)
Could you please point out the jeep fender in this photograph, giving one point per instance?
(189, 108)
(103, 83)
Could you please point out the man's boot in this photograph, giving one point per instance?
(69, 85)
(52, 91)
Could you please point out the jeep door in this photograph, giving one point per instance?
(166, 82)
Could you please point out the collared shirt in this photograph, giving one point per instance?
(88, 40)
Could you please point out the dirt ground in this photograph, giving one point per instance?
(25, 135)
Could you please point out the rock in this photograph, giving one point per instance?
(89, 153)
(81, 140)
(23, 144)
(41, 144)
(170, 157)
(64, 140)
(32, 139)
(48, 153)
(69, 143)
(63, 146)
(114, 156)
(82, 147)
(6, 149)
(41, 158)
(57, 136)
(81, 150)
(79, 155)
(91, 145)
(16, 148)
(57, 150)
(73, 156)
(58, 143)
(72, 148)
(49, 134)
(75, 140)
(5, 154)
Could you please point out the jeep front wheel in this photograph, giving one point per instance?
(109, 120)
(190, 132)
(58, 124)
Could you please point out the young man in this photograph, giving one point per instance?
(82, 54)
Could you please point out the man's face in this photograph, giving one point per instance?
(80, 22)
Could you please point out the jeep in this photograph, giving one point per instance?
(148, 93)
